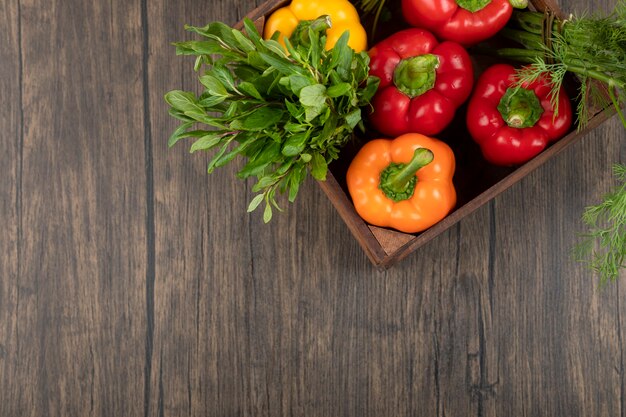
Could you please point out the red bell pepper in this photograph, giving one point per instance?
(464, 21)
(422, 83)
(513, 124)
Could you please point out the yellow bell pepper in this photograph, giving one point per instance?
(343, 16)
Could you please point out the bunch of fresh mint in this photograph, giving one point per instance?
(287, 110)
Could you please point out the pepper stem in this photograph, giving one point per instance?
(520, 108)
(416, 75)
(398, 181)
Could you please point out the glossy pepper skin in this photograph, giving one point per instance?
(508, 134)
(342, 14)
(449, 21)
(433, 195)
(398, 109)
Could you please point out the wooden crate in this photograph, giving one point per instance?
(476, 181)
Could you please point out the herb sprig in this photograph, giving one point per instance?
(288, 112)
(603, 247)
(591, 47)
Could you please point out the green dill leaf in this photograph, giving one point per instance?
(603, 246)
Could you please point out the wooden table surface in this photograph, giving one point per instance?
(133, 284)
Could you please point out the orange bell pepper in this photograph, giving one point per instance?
(404, 183)
(343, 16)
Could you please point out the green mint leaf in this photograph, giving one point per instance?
(263, 118)
(225, 77)
(263, 183)
(206, 142)
(276, 48)
(295, 180)
(295, 127)
(213, 85)
(313, 98)
(295, 111)
(295, 143)
(177, 135)
(198, 47)
(245, 44)
(212, 101)
(294, 187)
(252, 32)
(256, 201)
(202, 117)
(353, 118)
(267, 214)
(339, 90)
(319, 167)
(250, 89)
(182, 100)
(306, 157)
(292, 51)
(266, 155)
(297, 82)
(217, 156)
(281, 65)
(177, 114)
(315, 48)
(367, 93)
(340, 49)
(218, 31)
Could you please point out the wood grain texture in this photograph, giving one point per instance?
(11, 140)
(80, 306)
(134, 284)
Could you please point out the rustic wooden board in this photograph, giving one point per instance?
(11, 139)
(79, 301)
(131, 283)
